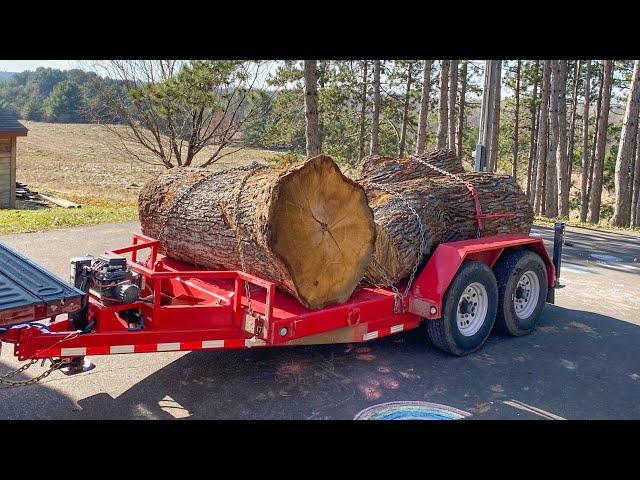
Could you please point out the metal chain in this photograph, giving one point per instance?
(400, 297)
(253, 168)
(55, 365)
(466, 183)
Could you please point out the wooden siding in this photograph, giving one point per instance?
(7, 172)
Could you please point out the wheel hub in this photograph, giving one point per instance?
(472, 309)
(527, 292)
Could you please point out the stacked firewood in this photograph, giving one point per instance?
(316, 233)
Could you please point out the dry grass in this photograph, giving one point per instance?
(84, 163)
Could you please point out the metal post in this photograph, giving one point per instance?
(485, 130)
(558, 241)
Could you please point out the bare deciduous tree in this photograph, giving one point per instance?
(174, 109)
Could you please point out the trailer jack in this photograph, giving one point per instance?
(78, 365)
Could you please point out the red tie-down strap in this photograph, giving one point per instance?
(481, 217)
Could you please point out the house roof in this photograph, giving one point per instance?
(10, 126)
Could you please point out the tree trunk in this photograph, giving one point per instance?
(375, 117)
(453, 94)
(447, 213)
(585, 145)
(562, 169)
(495, 133)
(308, 228)
(424, 107)
(531, 163)
(635, 219)
(405, 113)
(595, 135)
(572, 128)
(314, 144)
(622, 209)
(461, 119)
(516, 126)
(363, 108)
(603, 122)
(443, 109)
(543, 126)
(551, 180)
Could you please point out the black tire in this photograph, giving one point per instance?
(445, 332)
(509, 269)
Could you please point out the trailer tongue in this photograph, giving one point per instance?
(151, 303)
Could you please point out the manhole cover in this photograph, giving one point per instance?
(411, 410)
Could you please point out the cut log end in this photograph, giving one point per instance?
(323, 230)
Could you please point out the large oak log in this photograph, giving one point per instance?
(308, 228)
(447, 213)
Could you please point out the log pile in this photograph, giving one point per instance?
(309, 228)
(316, 233)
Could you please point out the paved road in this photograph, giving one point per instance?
(582, 362)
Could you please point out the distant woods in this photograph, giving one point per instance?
(567, 130)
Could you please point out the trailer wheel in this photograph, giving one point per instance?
(522, 290)
(468, 311)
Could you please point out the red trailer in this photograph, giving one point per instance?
(151, 303)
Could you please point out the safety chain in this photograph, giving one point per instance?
(253, 168)
(55, 365)
(399, 298)
(469, 186)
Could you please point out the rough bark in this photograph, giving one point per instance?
(363, 107)
(495, 132)
(424, 107)
(447, 213)
(375, 117)
(308, 228)
(551, 180)
(389, 170)
(626, 150)
(584, 175)
(516, 124)
(572, 127)
(531, 162)
(562, 168)
(461, 118)
(595, 135)
(314, 144)
(405, 112)
(601, 144)
(543, 126)
(635, 213)
(453, 94)
(443, 109)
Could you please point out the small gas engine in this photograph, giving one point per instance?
(106, 277)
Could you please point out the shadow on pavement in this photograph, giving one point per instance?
(577, 365)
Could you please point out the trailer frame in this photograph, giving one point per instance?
(188, 309)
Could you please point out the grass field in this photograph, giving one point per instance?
(84, 164)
